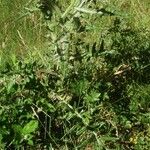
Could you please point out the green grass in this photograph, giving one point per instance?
(85, 86)
(20, 31)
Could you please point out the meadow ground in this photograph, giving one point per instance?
(75, 80)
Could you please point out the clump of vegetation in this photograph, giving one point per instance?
(90, 89)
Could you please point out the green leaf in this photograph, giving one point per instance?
(51, 107)
(9, 87)
(109, 138)
(30, 127)
(17, 129)
(92, 97)
(30, 142)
